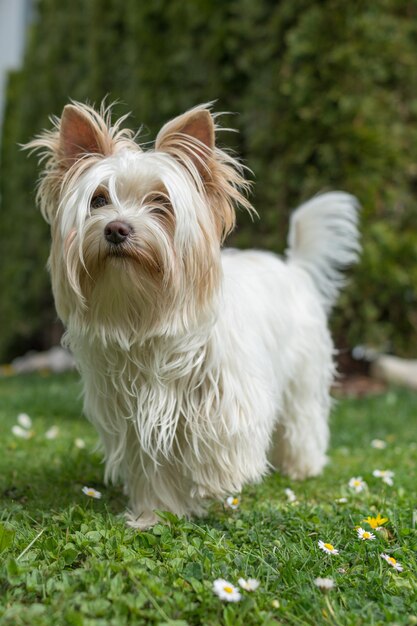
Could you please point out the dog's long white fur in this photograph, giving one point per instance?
(196, 388)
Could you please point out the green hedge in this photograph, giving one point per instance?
(326, 96)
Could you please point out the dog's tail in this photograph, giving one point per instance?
(324, 240)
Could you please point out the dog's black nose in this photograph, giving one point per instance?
(117, 232)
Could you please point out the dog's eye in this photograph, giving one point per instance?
(98, 201)
(159, 203)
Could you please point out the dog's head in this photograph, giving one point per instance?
(136, 233)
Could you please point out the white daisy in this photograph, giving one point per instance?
(251, 584)
(341, 500)
(24, 420)
(290, 495)
(18, 431)
(365, 535)
(378, 444)
(393, 562)
(93, 493)
(325, 584)
(232, 502)
(226, 591)
(327, 547)
(52, 433)
(357, 484)
(79, 443)
(386, 475)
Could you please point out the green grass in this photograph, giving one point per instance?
(69, 559)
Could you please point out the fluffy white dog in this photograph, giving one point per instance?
(202, 369)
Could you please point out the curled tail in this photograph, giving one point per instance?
(324, 240)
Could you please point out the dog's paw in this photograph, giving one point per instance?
(301, 471)
(141, 521)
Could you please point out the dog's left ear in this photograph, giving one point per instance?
(191, 135)
(190, 138)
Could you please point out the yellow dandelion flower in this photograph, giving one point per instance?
(376, 522)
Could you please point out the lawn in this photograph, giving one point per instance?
(69, 559)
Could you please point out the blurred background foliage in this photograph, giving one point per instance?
(325, 95)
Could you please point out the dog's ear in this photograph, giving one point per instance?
(78, 136)
(191, 135)
(190, 138)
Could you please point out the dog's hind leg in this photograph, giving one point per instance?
(301, 437)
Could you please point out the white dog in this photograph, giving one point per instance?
(202, 369)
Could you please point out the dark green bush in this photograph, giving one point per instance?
(326, 96)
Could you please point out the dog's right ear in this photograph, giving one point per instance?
(79, 136)
(80, 132)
